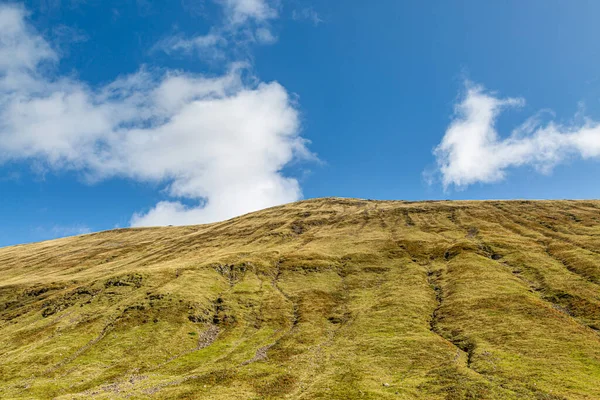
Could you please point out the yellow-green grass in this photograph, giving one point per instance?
(320, 299)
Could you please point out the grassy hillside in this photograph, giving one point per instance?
(321, 299)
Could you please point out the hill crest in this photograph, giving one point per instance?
(324, 298)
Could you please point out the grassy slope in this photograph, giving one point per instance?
(327, 298)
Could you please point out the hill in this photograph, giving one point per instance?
(320, 299)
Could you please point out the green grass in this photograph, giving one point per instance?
(321, 299)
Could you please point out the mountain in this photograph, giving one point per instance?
(321, 299)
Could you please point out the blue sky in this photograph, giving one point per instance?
(136, 113)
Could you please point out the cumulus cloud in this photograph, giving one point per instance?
(472, 151)
(219, 140)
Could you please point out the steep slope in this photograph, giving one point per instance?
(326, 298)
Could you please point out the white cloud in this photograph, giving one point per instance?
(19, 49)
(472, 151)
(217, 140)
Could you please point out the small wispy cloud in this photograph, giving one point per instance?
(69, 34)
(65, 37)
(243, 22)
(59, 231)
(265, 36)
(307, 14)
(239, 12)
(11, 176)
(195, 8)
(472, 151)
(210, 47)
